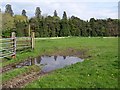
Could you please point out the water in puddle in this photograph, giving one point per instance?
(50, 63)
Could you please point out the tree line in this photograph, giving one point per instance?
(54, 26)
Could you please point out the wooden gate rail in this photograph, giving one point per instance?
(11, 45)
(6, 47)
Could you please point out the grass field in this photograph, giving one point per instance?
(99, 70)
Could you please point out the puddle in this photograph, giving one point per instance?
(50, 63)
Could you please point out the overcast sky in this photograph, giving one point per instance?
(84, 9)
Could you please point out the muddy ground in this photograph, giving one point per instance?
(71, 52)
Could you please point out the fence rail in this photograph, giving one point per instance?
(9, 46)
(23, 42)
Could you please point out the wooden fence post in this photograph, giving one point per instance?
(33, 40)
(29, 30)
(14, 45)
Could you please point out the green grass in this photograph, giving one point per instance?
(98, 71)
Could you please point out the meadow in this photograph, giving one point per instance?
(99, 69)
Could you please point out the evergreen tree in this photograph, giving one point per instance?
(75, 26)
(9, 10)
(55, 13)
(38, 12)
(51, 26)
(64, 15)
(93, 26)
(24, 13)
(56, 21)
(64, 26)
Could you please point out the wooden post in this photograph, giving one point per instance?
(14, 45)
(29, 30)
(33, 40)
(32, 61)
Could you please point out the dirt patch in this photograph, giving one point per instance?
(11, 66)
(71, 52)
(23, 79)
(5, 69)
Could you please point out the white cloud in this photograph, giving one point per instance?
(48, 1)
(83, 10)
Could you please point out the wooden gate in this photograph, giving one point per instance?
(9, 46)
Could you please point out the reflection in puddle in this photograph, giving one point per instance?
(50, 63)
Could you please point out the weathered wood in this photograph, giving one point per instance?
(10, 45)
(23, 45)
(7, 49)
(29, 30)
(33, 39)
(6, 55)
(25, 41)
(22, 37)
(14, 45)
